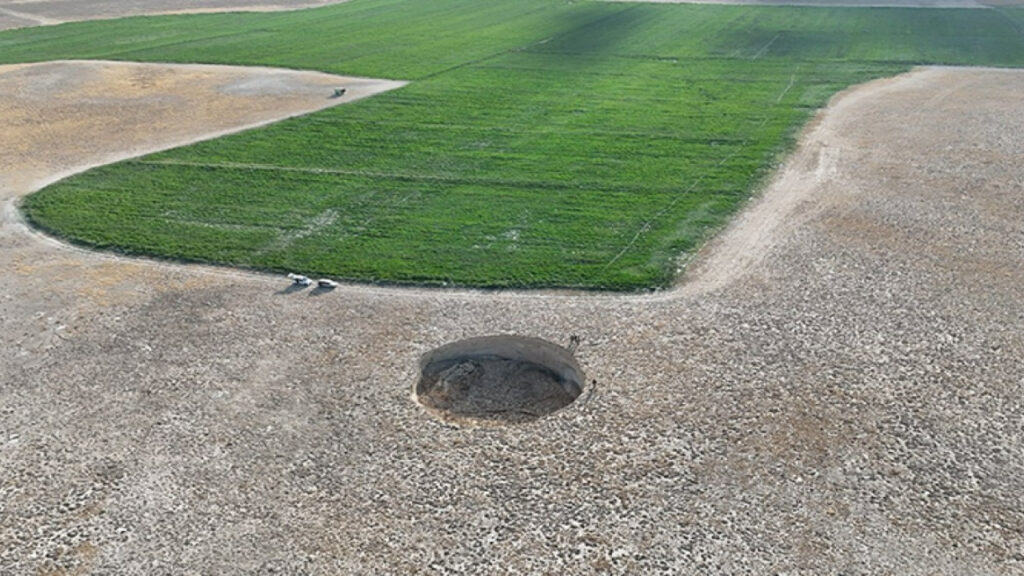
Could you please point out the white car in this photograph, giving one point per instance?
(300, 279)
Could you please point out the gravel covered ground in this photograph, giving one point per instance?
(835, 387)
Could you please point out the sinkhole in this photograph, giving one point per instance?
(499, 379)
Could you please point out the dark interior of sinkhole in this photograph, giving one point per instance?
(501, 379)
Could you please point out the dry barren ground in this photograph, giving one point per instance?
(24, 13)
(837, 386)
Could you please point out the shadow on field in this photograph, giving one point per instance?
(593, 31)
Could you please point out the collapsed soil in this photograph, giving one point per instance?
(492, 388)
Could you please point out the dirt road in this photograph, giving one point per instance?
(837, 385)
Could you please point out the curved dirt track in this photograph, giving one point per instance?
(837, 386)
(27, 13)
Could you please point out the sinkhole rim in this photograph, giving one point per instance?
(497, 379)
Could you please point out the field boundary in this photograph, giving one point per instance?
(731, 253)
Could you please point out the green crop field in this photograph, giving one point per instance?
(540, 143)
